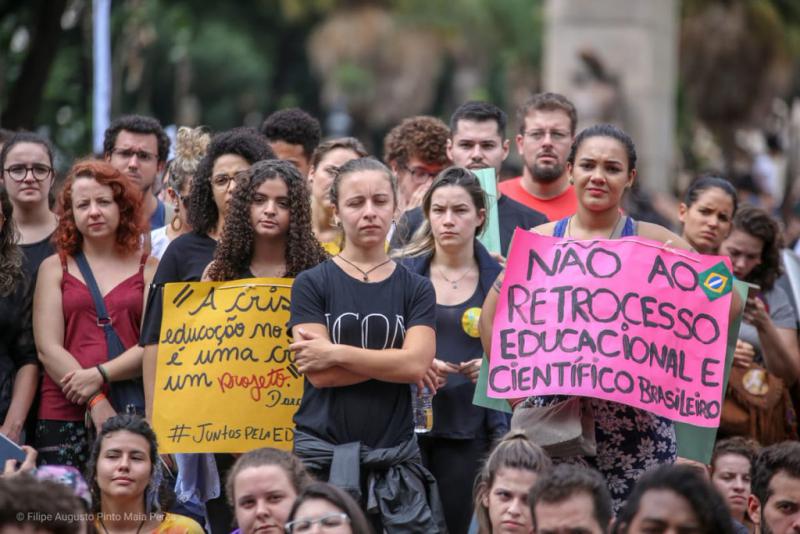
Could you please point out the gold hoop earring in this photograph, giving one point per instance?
(179, 226)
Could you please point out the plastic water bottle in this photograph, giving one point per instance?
(422, 407)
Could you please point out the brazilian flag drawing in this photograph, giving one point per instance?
(716, 281)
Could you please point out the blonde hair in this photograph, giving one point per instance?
(191, 145)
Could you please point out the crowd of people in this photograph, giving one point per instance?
(84, 261)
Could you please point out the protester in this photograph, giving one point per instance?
(27, 173)
(602, 165)
(547, 123)
(674, 498)
(328, 157)
(262, 487)
(19, 372)
(768, 335)
(185, 259)
(41, 506)
(502, 486)
(570, 499)
(706, 213)
(329, 507)
(363, 330)
(267, 232)
(774, 505)
(448, 253)
(293, 135)
(477, 141)
(416, 151)
(138, 147)
(731, 463)
(126, 481)
(190, 147)
(101, 224)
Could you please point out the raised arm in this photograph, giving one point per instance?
(488, 312)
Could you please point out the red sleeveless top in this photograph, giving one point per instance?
(85, 340)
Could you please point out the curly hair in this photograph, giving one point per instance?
(190, 147)
(244, 142)
(759, 224)
(422, 137)
(161, 493)
(235, 250)
(138, 124)
(293, 126)
(294, 468)
(132, 224)
(708, 505)
(11, 272)
(514, 451)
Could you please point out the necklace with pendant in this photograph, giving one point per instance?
(364, 273)
(453, 283)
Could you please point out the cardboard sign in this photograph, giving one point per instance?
(225, 379)
(626, 320)
(490, 238)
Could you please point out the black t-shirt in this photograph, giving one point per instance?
(16, 339)
(457, 341)
(367, 315)
(184, 261)
(34, 254)
(511, 213)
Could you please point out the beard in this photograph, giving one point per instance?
(546, 173)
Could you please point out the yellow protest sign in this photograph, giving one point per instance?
(225, 379)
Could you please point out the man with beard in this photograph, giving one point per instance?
(774, 504)
(546, 128)
(138, 147)
(477, 141)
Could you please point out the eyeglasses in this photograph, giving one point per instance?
(556, 135)
(19, 172)
(222, 181)
(422, 174)
(127, 153)
(327, 521)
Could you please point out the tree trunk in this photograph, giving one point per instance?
(25, 96)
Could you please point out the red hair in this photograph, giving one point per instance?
(132, 225)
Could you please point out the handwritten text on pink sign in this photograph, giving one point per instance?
(623, 320)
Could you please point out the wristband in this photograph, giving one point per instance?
(103, 373)
(96, 399)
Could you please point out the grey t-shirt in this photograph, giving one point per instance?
(780, 311)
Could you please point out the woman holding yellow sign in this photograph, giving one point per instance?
(363, 330)
(602, 166)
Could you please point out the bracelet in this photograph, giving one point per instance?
(103, 373)
(96, 399)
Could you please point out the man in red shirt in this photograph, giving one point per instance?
(547, 124)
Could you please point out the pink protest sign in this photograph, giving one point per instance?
(625, 320)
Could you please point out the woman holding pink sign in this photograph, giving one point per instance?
(602, 166)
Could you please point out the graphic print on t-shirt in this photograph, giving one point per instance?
(373, 326)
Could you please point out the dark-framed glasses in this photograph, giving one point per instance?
(422, 174)
(332, 520)
(18, 172)
(127, 153)
(223, 181)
